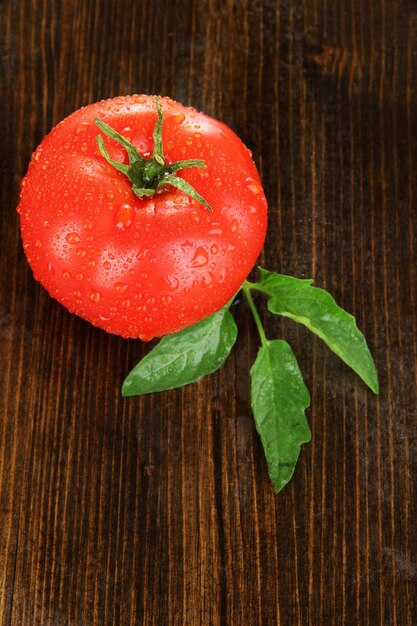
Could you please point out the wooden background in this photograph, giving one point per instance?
(158, 511)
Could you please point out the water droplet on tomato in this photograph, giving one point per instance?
(73, 238)
(79, 276)
(200, 258)
(215, 229)
(234, 225)
(172, 282)
(126, 303)
(104, 318)
(214, 248)
(81, 252)
(95, 296)
(120, 287)
(166, 299)
(208, 279)
(38, 243)
(222, 275)
(81, 128)
(124, 216)
(142, 254)
(253, 186)
(252, 209)
(145, 337)
(65, 274)
(178, 118)
(106, 265)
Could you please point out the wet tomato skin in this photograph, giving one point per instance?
(141, 267)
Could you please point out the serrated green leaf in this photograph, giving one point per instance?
(184, 357)
(317, 310)
(279, 398)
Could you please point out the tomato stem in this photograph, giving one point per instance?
(149, 176)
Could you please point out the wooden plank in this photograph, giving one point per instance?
(158, 510)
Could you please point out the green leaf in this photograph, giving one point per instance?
(279, 398)
(184, 357)
(317, 310)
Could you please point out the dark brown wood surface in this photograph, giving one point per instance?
(158, 511)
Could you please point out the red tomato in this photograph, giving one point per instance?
(141, 267)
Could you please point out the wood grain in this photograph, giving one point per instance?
(158, 510)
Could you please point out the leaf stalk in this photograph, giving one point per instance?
(246, 288)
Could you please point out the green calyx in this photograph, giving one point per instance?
(150, 176)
